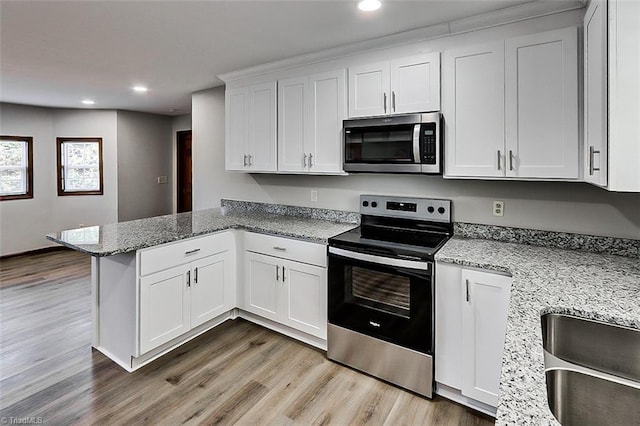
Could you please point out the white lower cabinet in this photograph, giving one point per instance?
(471, 320)
(283, 286)
(174, 301)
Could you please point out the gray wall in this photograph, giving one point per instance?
(144, 154)
(559, 206)
(24, 223)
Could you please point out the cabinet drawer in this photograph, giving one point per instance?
(177, 253)
(286, 248)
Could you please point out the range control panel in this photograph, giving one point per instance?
(435, 210)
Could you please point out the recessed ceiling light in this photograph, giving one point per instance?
(369, 5)
(88, 102)
(140, 89)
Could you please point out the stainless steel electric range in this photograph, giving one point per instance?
(382, 289)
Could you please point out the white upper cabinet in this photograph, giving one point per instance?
(415, 84)
(250, 128)
(541, 104)
(310, 114)
(611, 95)
(368, 89)
(595, 93)
(511, 108)
(403, 85)
(473, 107)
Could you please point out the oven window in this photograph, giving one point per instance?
(380, 290)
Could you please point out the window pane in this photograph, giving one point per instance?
(13, 167)
(81, 162)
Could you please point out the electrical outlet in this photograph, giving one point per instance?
(162, 179)
(498, 208)
(314, 195)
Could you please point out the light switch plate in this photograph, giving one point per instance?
(162, 179)
(314, 195)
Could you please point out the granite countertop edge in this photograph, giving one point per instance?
(546, 280)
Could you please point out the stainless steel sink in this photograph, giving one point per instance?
(592, 371)
(581, 399)
(605, 347)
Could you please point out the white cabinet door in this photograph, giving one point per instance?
(328, 107)
(415, 84)
(448, 351)
(484, 317)
(473, 108)
(212, 287)
(292, 124)
(304, 305)
(236, 128)
(164, 307)
(369, 90)
(262, 127)
(541, 98)
(595, 93)
(263, 285)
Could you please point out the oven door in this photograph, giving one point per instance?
(386, 298)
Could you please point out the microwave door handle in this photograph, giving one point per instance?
(416, 144)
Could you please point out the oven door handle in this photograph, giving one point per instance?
(381, 260)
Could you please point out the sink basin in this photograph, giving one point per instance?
(581, 399)
(592, 371)
(604, 347)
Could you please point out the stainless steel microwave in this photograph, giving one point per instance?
(410, 143)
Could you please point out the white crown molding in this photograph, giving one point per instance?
(504, 16)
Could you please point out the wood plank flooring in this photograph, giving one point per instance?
(238, 373)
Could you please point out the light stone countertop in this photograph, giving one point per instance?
(596, 286)
(123, 237)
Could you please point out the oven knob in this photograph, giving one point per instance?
(441, 210)
(430, 209)
(374, 204)
(365, 204)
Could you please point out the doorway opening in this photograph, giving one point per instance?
(185, 203)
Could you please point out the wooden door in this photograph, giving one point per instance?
(473, 108)
(185, 202)
(541, 105)
(415, 84)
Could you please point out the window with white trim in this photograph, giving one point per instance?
(16, 167)
(80, 166)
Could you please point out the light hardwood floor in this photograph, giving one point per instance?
(238, 373)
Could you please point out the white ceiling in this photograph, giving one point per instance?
(56, 53)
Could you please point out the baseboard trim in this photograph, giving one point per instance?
(35, 251)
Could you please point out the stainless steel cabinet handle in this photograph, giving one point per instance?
(467, 289)
(592, 168)
(393, 100)
(188, 278)
(244, 162)
(195, 276)
(279, 248)
(277, 273)
(499, 160)
(310, 160)
(510, 160)
(385, 102)
(250, 160)
(304, 162)
(283, 276)
(187, 253)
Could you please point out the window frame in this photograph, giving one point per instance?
(60, 174)
(29, 141)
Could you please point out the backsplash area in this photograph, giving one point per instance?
(563, 240)
(235, 206)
